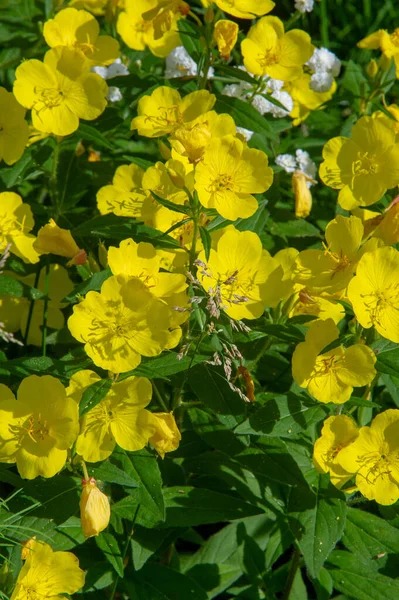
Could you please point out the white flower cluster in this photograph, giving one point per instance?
(300, 162)
(180, 64)
(116, 69)
(272, 87)
(325, 66)
(246, 133)
(304, 5)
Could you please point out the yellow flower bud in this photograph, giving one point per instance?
(209, 15)
(177, 179)
(303, 197)
(51, 239)
(225, 35)
(164, 150)
(167, 436)
(385, 62)
(95, 510)
(103, 255)
(372, 68)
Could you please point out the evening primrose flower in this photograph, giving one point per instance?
(60, 91)
(305, 99)
(79, 30)
(237, 271)
(165, 110)
(267, 50)
(245, 9)
(229, 174)
(364, 166)
(332, 269)
(125, 196)
(306, 302)
(388, 43)
(37, 429)
(166, 437)
(331, 376)
(374, 292)
(47, 574)
(16, 222)
(14, 130)
(120, 418)
(51, 239)
(337, 433)
(95, 511)
(225, 34)
(374, 457)
(121, 324)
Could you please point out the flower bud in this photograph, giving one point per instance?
(177, 179)
(103, 255)
(95, 510)
(303, 196)
(164, 150)
(385, 62)
(167, 436)
(372, 69)
(225, 35)
(209, 15)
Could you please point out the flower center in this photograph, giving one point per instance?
(37, 428)
(365, 164)
(169, 116)
(51, 97)
(381, 300)
(395, 37)
(222, 182)
(342, 262)
(268, 58)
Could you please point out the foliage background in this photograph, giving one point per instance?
(238, 510)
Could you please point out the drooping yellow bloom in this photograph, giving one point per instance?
(267, 50)
(331, 376)
(225, 34)
(229, 174)
(47, 574)
(364, 166)
(305, 99)
(138, 32)
(51, 239)
(337, 433)
(165, 111)
(167, 435)
(332, 269)
(163, 15)
(95, 511)
(388, 43)
(14, 130)
(120, 418)
(374, 457)
(374, 292)
(303, 195)
(237, 272)
(384, 226)
(16, 222)
(60, 91)
(79, 382)
(121, 324)
(125, 196)
(280, 284)
(37, 429)
(79, 30)
(243, 9)
(309, 303)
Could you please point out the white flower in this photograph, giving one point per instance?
(304, 5)
(286, 162)
(264, 106)
(102, 71)
(180, 64)
(113, 70)
(114, 94)
(245, 132)
(237, 90)
(324, 61)
(321, 82)
(300, 162)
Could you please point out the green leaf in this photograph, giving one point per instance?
(180, 208)
(293, 229)
(317, 519)
(360, 579)
(283, 416)
(354, 80)
(206, 241)
(110, 473)
(94, 283)
(93, 395)
(190, 36)
(109, 546)
(212, 388)
(145, 542)
(367, 536)
(87, 132)
(157, 582)
(215, 433)
(189, 506)
(161, 367)
(245, 115)
(388, 362)
(235, 73)
(11, 287)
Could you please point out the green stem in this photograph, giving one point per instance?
(45, 310)
(53, 177)
(32, 303)
(296, 557)
(159, 397)
(324, 23)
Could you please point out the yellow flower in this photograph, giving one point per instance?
(120, 418)
(60, 91)
(163, 15)
(16, 222)
(305, 99)
(48, 574)
(280, 283)
(267, 50)
(225, 34)
(303, 196)
(331, 376)
(337, 433)
(332, 269)
(237, 272)
(37, 429)
(79, 382)
(192, 139)
(121, 324)
(167, 435)
(386, 42)
(384, 227)
(364, 166)
(96, 7)
(51, 239)
(245, 9)
(309, 303)
(374, 292)
(227, 176)
(374, 457)
(79, 30)
(125, 196)
(95, 511)
(165, 111)
(14, 130)
(138, 32)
